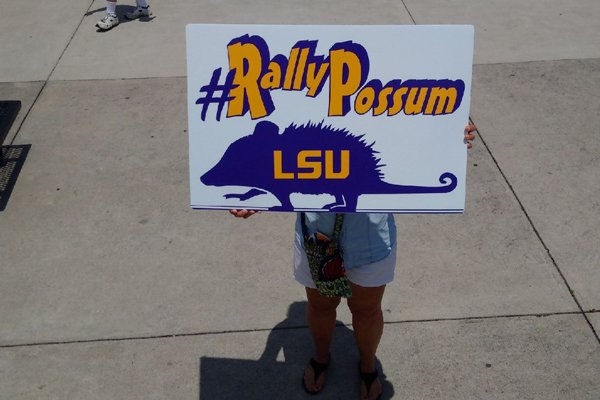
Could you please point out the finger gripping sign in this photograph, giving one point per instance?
(329, 118)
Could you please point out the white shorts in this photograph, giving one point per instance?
(376, 274)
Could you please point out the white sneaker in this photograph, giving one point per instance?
(139, 12)
(108, 22)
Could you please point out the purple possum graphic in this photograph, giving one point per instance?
(308, 159)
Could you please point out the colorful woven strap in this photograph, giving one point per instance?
(337, 229)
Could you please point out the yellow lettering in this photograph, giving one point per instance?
(412, 107)
(247, 81)
(272, 79)
(383, 101)
(313, 82)
(314, 165)
(344, 167)
(443, 97)
(278, 168)
(364, 100)
(341, 60)
(397, 101)
(300, 69)
(289, 72)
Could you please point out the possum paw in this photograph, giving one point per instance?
(333, 206)
(342, 204)
(245, 196)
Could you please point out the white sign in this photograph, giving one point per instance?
(329, 118)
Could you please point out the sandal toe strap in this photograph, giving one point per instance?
(368, 378)
(318, 368)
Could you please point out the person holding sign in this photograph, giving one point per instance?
(367, 242)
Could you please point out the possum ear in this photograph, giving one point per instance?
(266, 128)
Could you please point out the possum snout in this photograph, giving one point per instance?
(210, 178)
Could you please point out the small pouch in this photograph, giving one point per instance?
(325, 261)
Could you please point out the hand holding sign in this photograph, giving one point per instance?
(468, 135)
(242, 213)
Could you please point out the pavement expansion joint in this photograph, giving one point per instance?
(537, 233)
(409, 13)
(136, 78)
(291, 327)
(49, 75)
(537, 61)
(69, 42)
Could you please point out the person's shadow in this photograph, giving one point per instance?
(277, 374)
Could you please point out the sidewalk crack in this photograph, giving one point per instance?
(18, 130)
(538, 235)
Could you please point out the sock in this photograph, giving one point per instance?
(111, 7)
(142, 3)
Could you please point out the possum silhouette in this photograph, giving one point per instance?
(249, 161)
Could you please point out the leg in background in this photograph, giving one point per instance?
(110, 20)
(111, 7)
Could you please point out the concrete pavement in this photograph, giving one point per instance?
(111, 287)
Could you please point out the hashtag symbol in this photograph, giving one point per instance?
(210, 89)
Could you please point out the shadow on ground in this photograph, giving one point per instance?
(275, 376)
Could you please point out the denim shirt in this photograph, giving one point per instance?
(365, 238)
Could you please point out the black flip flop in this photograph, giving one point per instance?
(318, 369)
(368, 379)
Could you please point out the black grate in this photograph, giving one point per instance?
(11, 162)
(8, 112)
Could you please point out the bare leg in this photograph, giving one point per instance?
(321, 314)
(367, 321)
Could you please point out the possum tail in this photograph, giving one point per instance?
(447, 179)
